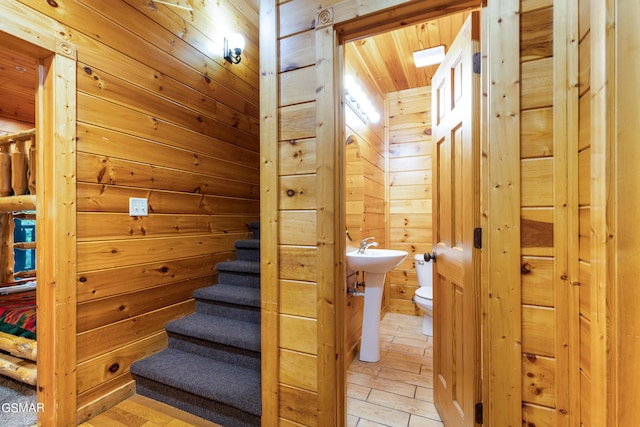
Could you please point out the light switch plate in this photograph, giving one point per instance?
(138, 207)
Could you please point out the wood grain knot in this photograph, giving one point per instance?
(114, 368)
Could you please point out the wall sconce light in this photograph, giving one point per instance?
(233, 47)
(359, 102)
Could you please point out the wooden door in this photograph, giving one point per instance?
(456, 214)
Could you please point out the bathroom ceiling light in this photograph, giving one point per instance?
(431, 56)
(233, 47)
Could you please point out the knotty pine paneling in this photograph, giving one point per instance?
(96, 371)
(543, 142)
(160, 115)
(298, 406)
(104, 339)
(299, 369)
(98, 284)
(540, 416)
(537, 321)
(536, 84)
(536, 133)
(297, 344)
(537, 283)
(539, 378)
(536, 29)
(410, 191)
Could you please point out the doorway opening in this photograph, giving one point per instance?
(48, 152)
(18, 346)
(397, 189)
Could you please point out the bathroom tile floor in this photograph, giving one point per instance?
(397, 390)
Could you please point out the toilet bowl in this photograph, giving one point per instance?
(424, 294)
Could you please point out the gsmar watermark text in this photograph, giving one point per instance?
(16, 407)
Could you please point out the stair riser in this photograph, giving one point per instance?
(251, 280)
(214, 308)
(222, 353)
(246, 254)
(204, 408)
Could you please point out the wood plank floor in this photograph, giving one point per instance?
(140, 411)
(397, 390)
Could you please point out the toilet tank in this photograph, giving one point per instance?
(423, 270)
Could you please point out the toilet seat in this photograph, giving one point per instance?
(425, 292)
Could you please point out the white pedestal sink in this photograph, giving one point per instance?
(375, 263)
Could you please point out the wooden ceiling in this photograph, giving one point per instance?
(17, 87)
(388, 57)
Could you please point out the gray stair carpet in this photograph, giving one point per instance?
(212, 365)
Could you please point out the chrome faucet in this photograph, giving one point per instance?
(366, 244)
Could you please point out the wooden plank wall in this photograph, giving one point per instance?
(161, 116)
(540, 312)
(410, 194)
(297, 314)
(584, 194)
(554, 169)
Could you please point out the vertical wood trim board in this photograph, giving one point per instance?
(269, 263)
(565, 222)
(330, 272)
(626, 316)
(502, 337)
(571, 36)
(56, 236)
(603, 220)
(584, 201)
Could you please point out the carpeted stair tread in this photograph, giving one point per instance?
(222, 330)
(239, 266)
(248, 244)
(232, 385)
(230, 294)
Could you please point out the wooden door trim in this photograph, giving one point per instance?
(608, 202)
(500, 288)
(348, 30)
(269, 262)
(35, 36)
(56, 236)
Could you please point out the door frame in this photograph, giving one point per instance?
(55, 208)
(500, 256)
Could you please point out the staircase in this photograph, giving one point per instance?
(211, 367)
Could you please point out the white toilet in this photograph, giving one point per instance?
(424, 294)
